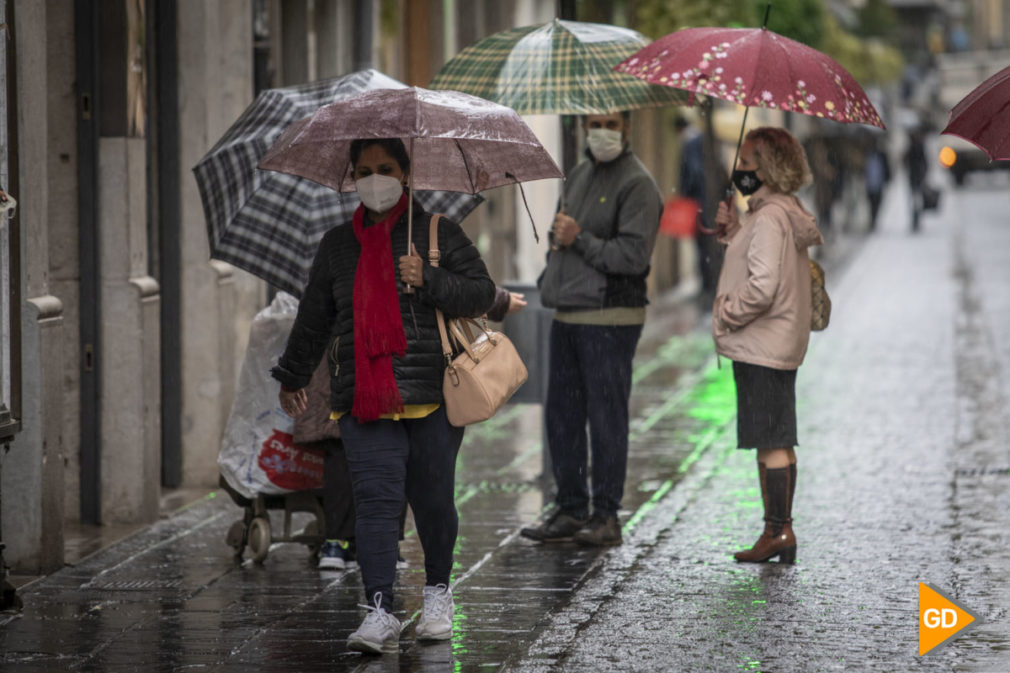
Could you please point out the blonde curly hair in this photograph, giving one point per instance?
(781, 159)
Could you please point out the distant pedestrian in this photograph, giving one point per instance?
(827, 179)
(693, 186)
(877, 171)
(917, 167)
(761, 319)
(595, 280)
(386, 390)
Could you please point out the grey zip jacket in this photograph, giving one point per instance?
(617, 205)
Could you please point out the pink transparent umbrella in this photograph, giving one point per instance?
(456, 142)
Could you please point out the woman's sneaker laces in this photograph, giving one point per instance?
(379, 633)
(436, 616)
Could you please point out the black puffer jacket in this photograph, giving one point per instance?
(460, 286)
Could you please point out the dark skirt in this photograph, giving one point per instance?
(765, 406)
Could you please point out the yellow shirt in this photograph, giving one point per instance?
(409, 411)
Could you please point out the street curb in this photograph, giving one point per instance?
(601, 580)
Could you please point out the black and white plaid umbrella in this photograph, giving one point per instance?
(270, 223)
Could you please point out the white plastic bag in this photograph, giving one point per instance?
(258, 455)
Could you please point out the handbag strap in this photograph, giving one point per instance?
(459, 329)
(454, 326)
(434, 255)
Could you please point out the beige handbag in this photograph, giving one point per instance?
(487, 372)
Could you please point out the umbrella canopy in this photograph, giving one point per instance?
(983, 116)
(270, 223)
(457, 142)
(754, 67)
(561, 67)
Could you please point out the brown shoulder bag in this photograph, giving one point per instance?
(820, 303)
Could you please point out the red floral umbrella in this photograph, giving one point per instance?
(753, 67)
(983, 116)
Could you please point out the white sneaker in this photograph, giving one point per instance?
(379, 633)
(436, 616)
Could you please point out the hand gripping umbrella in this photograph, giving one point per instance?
(270, 223)
(456, 142)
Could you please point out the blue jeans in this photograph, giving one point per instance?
(412, 459)
(590, 380)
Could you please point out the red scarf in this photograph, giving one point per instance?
(378, 326)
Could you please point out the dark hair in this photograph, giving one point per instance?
(394, 147)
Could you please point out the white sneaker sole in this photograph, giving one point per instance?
(332, 564)
(423, 635)
(370, 647)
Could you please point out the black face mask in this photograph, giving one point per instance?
(746, 182)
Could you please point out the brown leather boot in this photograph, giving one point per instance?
(777, 487)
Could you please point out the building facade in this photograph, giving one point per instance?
(122, 338)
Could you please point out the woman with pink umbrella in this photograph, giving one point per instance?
(386, 392)
(370, 292)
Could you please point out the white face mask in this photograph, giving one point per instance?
(605, 144)
(379, 193)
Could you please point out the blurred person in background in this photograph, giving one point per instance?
(693, 186)
(877, 171)
(917, 167)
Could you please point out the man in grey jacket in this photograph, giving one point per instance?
(595, 280)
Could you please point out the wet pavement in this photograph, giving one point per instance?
(904, 477)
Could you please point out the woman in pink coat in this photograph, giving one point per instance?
(761, 319)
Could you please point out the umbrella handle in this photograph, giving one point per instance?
(409, 289)
(554, 246)
(728, 200)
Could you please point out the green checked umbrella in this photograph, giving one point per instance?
(561, 67)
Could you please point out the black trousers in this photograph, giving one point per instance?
(393, 462)
(590, 380)
(338, 498)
